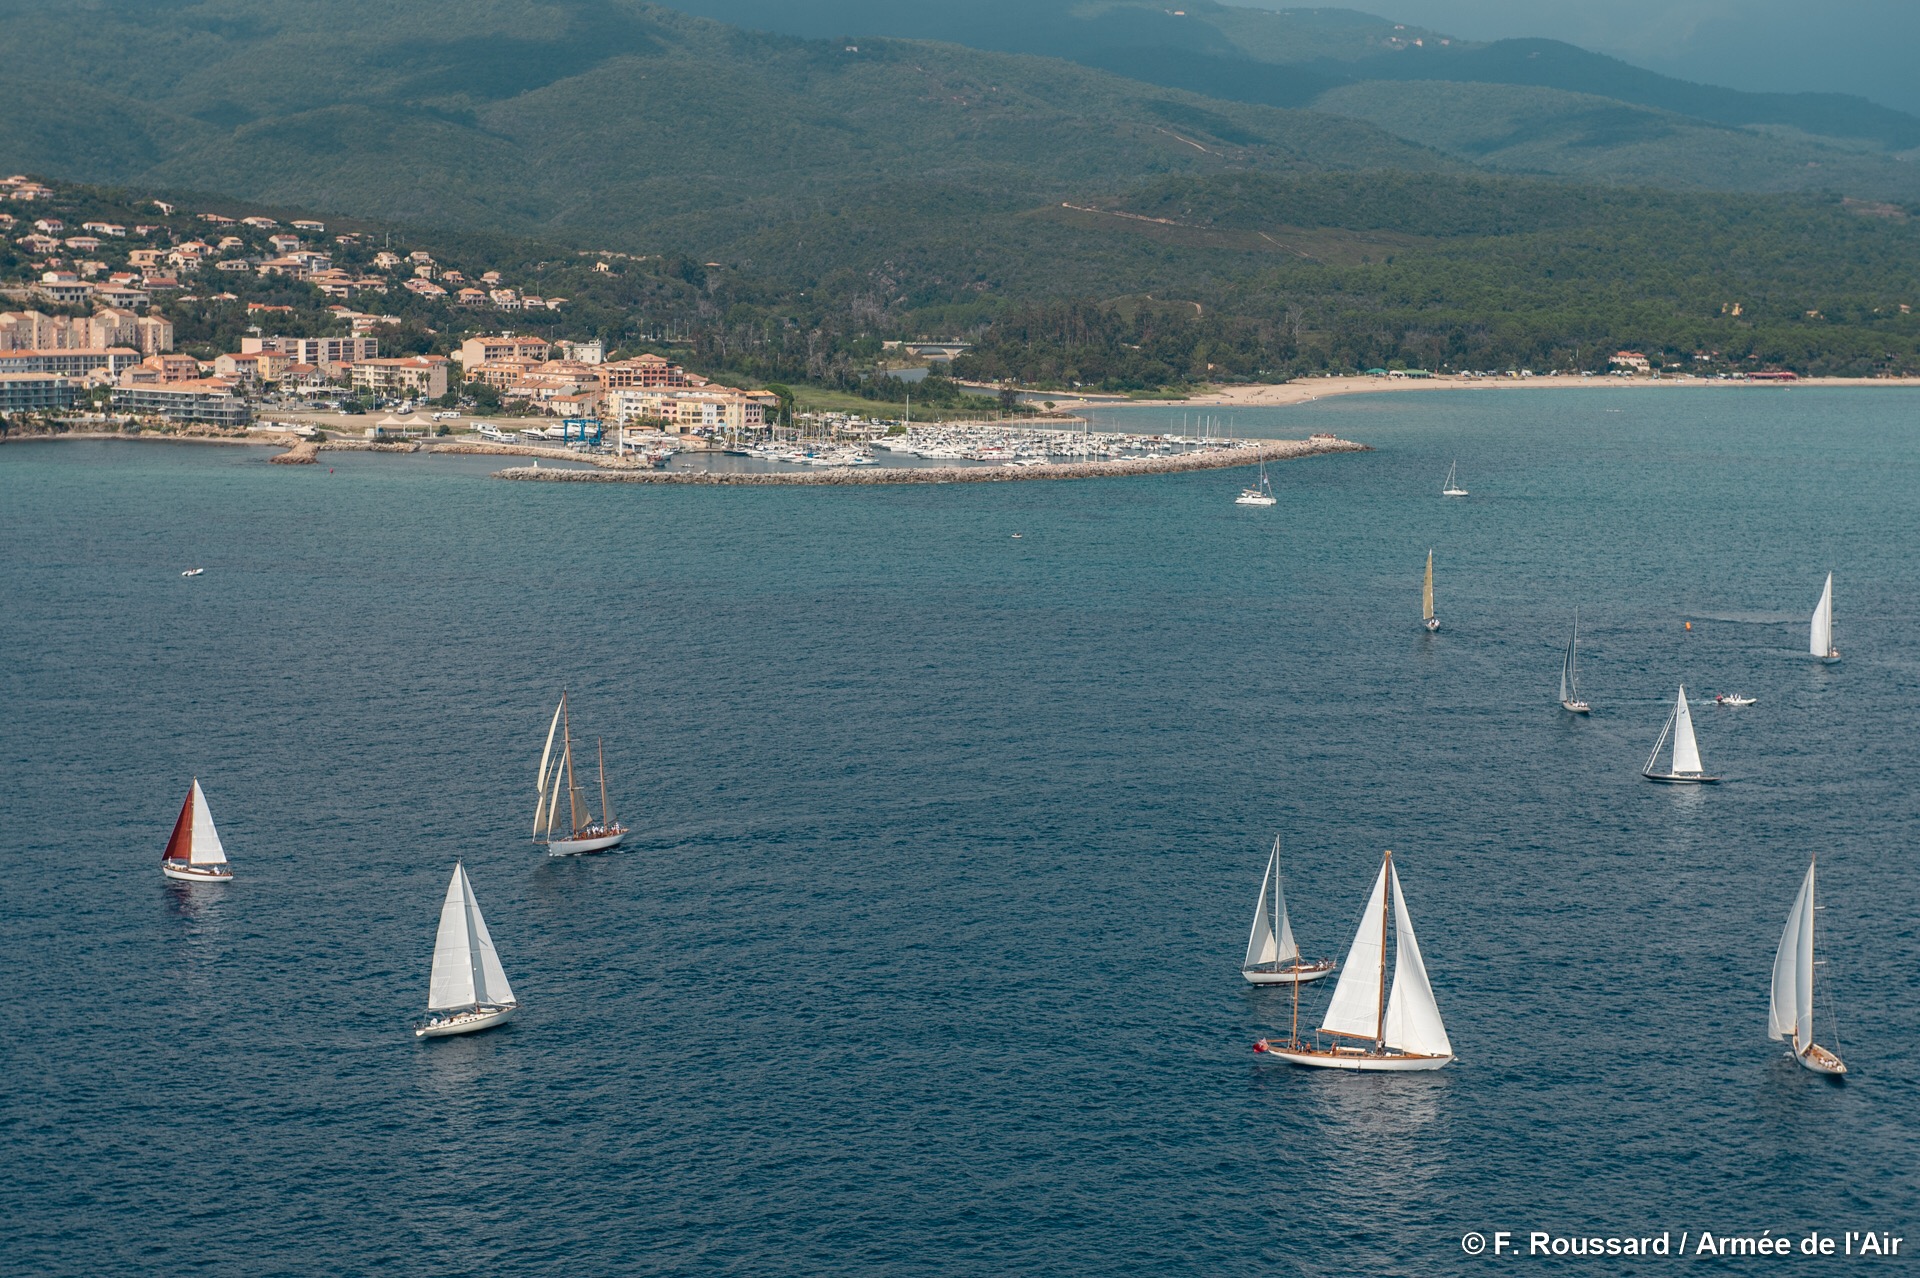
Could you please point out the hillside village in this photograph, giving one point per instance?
(309, 314)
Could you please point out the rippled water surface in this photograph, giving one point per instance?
(923, 957)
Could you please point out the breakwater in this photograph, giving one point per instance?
(1245, 454)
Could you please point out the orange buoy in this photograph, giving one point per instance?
(1689, 625)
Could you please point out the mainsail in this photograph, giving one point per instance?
(1413, 1018)
(466, 970)
(1791, 1015)
(1820, 636)
(540, 802)
(194, 840)
(1686, 751)
(1354, 1010)
(1271, 940)
(1426, 590)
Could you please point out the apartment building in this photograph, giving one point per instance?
(422, 376)
(208, 400)
(683, 409)
(321, 352)
(476, 351)
(69, 363)
(35, 392)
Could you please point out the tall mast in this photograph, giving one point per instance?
(573, 798)
(605, 819)
(1386, 907)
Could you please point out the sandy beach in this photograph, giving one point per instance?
(1312, 388)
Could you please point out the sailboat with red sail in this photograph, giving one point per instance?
(194, 853)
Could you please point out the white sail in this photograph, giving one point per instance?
(1566, 668)
(1426, 591)
(207, 849)
(1289, 952)
(466, 970)
(1354, 1009)
(1820, 638)
(1686, 751)
(1783, 1019)
(1413, 1018)
(546, 779)
(452, 984)
(1262, 945)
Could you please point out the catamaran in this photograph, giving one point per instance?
(583, 833)
(468, 990)
(1820, 638)
(1260, 494)
(1398, 1031)
(1452, 487)
(1791, 1016)
(1570, 673)
(1427, 617)
(1272, 956)
(1686, 769)
(194, 854)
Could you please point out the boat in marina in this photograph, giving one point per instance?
(1820, 632)
(1452, 487)
(1570, 673)
(1790, 1019)
(194, 852)
(468, 990)
(582, 831)
(1427, 616)
(1259, 494)
(1273, 958)
(1376, 1031)
(1686, 768)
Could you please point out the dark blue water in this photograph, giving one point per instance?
(923, 959)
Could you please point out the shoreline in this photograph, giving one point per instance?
(1211, 459)
(1289, 394)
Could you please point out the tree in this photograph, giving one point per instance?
(1009, 398)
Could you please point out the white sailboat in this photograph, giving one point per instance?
(1260, 494)
(1273, 958)
(1686, 769)
(1400, 1031)
(1790, 1018)
(1820, 636)
(582, 831)
(468, 990)
(1427, 617)
(194, 853)
(1452, 487)
(1570, 673)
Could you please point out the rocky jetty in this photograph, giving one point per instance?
(1246, 454)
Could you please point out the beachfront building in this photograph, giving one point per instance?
(35, 392)
(206, 400)
(69, 363)
(421, 376)
(693, 408)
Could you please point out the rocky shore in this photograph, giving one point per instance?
(1210, 459)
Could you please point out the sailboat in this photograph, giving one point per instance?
(582, 832)
(1427, 617)
(1398, 1031)
(194, 854)
(1261, 494)
(1820, 638)
(1452, 487)
(1272, 956)
(468, 990)
(1570, 673)
(1791, 1016)
(1686, 768)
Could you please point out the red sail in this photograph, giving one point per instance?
(180, 846)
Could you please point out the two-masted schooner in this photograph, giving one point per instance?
(468, 990)
(1790, 1018)
(1427, 616)
(1376, 1030)
(195, 854)
(1570, 673)
(1820, 631)
(1686, 768)
(1273, 958)
(582, 832)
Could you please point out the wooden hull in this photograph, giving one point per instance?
(1821, 1061)
(580, 847)
(1357, 1060)
(186, 873)
(1299, 974)
(465, 1022)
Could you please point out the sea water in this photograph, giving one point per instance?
(923, 955)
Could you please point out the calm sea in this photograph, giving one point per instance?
(923, 958)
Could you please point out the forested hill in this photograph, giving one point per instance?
(607, 119)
